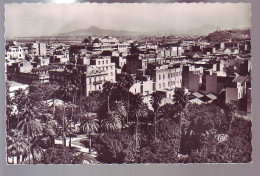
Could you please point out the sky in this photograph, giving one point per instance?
(47, 19)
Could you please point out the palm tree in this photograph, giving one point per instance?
(229, 110)
(49, 129)
(120, 110)
(66, 131)
(180, 101)
(17, 144)
(42, 128)
(155, 101)
(126, 84)
(112, 122)
(89, 125)
(77, 86)
(29, 124)
(37, 153)
(108, 88)
(19, 102)
(66, 90)
(9, 107)
(140, 110)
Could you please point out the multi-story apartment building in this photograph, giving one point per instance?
(172, 51)
(15, 52)
(103, 64)
(166, 76)
(93, 76)
(39, 48)
(123, 47)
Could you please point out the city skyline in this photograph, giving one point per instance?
(49, 19)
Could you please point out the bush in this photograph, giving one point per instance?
(60, 155)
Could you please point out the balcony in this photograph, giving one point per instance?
(97, 82)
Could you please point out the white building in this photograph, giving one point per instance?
(15, 52)
(167, 76)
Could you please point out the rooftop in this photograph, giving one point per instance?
(242, 79)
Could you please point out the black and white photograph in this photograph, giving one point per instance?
(128, 83)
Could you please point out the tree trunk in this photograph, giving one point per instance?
(136, 133)
(28, 137)
(63, 126)
(52, 141)
(108, 103)
(70, 142)
(155, 128)
(230, 123)
(18, 159)
(33, 157)
(179, 144)
(53, 104)
(89, 140)
(127, 116)
(23, 158)
(64, 141)
(18, 119)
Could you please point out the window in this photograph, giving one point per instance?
(106, 61)
(107, 68)
(159, 85)
(159, 77)
(98, 62)
(163, 76)
(163, 84)
(169, 75)
(103, 62)
(168, 83)
(111, 73)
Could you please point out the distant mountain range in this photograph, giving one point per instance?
(93, 30)
(211, 33)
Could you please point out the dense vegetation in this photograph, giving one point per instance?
(220, 36)
(120, 128)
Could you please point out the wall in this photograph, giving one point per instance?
(231, 94)
(194, 80)
(211, 84)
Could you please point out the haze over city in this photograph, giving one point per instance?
(50, 19)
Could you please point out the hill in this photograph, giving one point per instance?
(224, 35)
